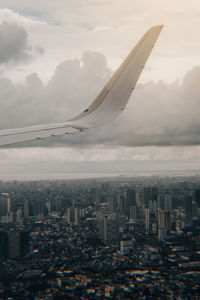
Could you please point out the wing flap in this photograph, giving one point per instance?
(8, 137)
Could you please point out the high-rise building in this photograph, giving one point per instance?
(167, 202)
(161, 202)
(131, 196)
(3, 244)
(14, 244)
(197, 202)
(39, 207)
(113, 203)
(189, 210)
(109, 227)
(150, 219)
(164, 223)
(73, 215)
(131, 203)
(5, 204)
(150, 194)
(197, 198)
(76, 216)
(133, 212)
(26, 208)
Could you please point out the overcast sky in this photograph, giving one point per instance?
(55, 56)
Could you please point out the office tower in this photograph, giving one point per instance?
(122, 208)
(3, 245)
(133, 212)
(153, 205)
(164, 223)
(26, 208)
(5, 204)
(82, 212)
(197, 202)
(167, 202)
(151, 215)
(108, 227)
(73, 215)
(147, 219)
(14, 244)
(59, 205)
(161, 202)
(131, 196)
(38, 207)
(18, 242)
(150, 194)
(189, 210)
(118, 196)
(70, 215)
(76, 216)
(197, 198)
(150, 218)
(168, 219)
(104, 187)
(162, 230)
(131, 203)
(113, 203)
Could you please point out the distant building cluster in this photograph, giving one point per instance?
(100, 238)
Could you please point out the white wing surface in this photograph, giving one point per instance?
(105, 108)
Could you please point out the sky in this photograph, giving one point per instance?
(55, 57)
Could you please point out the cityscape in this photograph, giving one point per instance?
(100, 238)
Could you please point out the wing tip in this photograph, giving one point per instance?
(159, 26)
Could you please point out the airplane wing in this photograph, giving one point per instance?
(106, 107)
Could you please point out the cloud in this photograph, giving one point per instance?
(14, 45)
(72, 87)
(63, 162)
(161, 114)
(13, 42)
(10, 16)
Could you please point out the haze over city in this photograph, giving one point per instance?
(56, 57)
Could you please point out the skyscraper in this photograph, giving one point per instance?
(109, 227)
(14, 244)
(150, 194)
(167, 202)
(5, 204)
(26, 208)
(73, 215)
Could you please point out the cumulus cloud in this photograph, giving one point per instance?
(15, 46)
(161, 114)
(13, 42)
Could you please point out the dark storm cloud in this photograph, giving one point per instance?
(14, 44)
(161, 114)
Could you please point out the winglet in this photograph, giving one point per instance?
(116, 93)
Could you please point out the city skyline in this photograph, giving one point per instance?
(120, 237)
